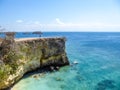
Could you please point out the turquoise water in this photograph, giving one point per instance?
(98, 68)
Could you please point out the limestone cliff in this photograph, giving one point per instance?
(23, 55)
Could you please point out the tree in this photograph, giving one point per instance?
(7, 47)
(10, 35)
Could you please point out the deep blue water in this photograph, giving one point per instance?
(98, 55)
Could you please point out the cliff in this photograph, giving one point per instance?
(20, 56)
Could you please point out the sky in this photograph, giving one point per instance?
(60, 15)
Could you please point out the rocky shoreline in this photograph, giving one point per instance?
(39, 72)
(27, 55)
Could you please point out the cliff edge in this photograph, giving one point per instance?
(20, 56)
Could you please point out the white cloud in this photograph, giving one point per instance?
(58, 24)
(19, 21)
(37, 22)
(58, 21)
(28, 25)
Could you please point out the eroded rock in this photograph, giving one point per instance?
(30, 54)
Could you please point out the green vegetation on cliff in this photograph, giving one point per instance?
(20, 56)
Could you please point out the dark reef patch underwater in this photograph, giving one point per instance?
(98, 68)
(105, 84)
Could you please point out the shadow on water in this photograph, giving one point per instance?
(106, 84)
(39, 72)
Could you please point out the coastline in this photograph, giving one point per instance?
(34, 53)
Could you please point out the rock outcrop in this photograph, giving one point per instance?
(23, 55)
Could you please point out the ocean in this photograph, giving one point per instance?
(98, 68)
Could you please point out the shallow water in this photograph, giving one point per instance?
(98, 68)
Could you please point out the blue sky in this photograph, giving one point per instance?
(60, 15)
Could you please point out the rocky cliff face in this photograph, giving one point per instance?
(24, 55)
